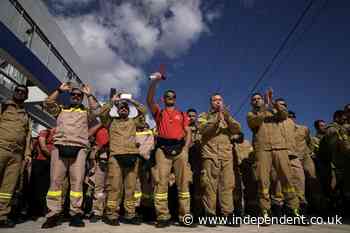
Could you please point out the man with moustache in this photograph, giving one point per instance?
(15, 137)
(68, 158)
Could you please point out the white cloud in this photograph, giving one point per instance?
(124, 34)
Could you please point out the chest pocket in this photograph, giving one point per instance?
(16, 119)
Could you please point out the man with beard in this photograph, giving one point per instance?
(69, 155)
(173, 141)
(123, 162)
(15, 135)
(272, 149)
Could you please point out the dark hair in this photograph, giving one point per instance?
(338, 114)
(191, 110)
(291, 114)
(22, 86)
(280, 99)
(346, 107)
(256, 93)
(214, 94)
(169, 91)
(317, 123)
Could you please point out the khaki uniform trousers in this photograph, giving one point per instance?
(302, 170)
(58, 171)
(250, 187)
(279, 160)
(99, 200)
(144, 187)
(217, 176)
(183, 178)
(121, 181)
(238, 189)
(10, 168)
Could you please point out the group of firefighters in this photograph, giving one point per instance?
(114, 168)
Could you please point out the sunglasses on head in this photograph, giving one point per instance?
(76, 94)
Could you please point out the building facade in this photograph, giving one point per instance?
(35, 52)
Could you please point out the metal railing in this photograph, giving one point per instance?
(38, 42)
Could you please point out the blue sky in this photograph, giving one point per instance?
(226, 48)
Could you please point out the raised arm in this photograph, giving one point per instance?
(281, 111)
(208, 127)
(92, 101)
(255, 120)
(50, 104)
(232, 124)
(141, 109)
(151, 93)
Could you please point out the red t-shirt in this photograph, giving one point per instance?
(171, 123)
(102, 137)
(47, 134)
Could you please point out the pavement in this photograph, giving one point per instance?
(34, 227)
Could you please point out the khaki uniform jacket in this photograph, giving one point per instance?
(72, 124)
(122, 133)
(145, 141)
(266, 126)
(243, 150)
(303, 140)
(315, 143)
(289, 132)
(216, 136)
(338, 141)
(15, 128)
(196, 136)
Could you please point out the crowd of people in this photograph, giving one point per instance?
(115, 168)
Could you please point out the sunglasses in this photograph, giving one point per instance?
(76, 94)
(170, 96)
(123, 107)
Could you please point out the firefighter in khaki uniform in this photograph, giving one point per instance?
(337, 141)
(99, 159)
(15, 135)
(145, 185)
(320, 127)
(123, 162)
(173, 140)
(69, 155)
(194, 160)
(277, 198)
(271, 148)
(217, 128)
(299, 141)
(244, 175)
(308, 171)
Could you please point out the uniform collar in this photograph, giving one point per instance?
(80, 106)
(13, 103)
